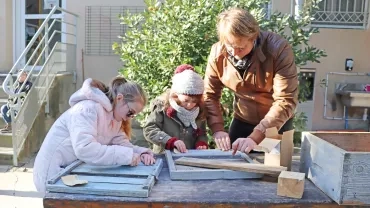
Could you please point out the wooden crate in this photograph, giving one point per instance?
(108, 181)
(181, 172)
(338, 164)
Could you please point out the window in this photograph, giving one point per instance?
(342, 14)
(306, 83)
(102, 28)
(32, 16)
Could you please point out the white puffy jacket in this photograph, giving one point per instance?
(87, 131)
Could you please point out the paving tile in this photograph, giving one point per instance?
(16, 187)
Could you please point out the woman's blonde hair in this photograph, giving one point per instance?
(131, 91)
(238, 23)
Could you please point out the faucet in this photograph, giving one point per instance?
(341, 87)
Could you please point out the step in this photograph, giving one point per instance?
(6, 140)
(2, 122)
(6, 156)
(3, 95)
(3, 101)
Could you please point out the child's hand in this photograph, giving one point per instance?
(149, 152)
(147, 159)
(135, 159)
(201, 147)
(180, 145)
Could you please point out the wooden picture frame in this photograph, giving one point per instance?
(108, 180)
(180, 172)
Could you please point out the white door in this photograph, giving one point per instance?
(28, 17)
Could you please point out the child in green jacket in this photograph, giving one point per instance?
(177, 118)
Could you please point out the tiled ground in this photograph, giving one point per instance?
(16, 187)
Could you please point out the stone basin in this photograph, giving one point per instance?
(354, 98)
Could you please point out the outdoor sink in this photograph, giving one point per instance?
(354, 98)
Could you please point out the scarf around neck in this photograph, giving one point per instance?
(187, 117)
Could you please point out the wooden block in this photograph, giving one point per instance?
(238, 166)
(291, 184)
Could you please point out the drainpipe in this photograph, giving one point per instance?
(345, 118)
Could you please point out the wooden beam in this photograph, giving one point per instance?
(291, 184)
(238, 166)
(65, 171)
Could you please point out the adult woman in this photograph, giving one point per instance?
(96, 130)
(259, 68)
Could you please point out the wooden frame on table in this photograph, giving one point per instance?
(179, 172)
(108, 181)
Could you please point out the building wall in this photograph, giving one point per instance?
(283, 6)
(6, 35)
(103, 68)
(339, 44)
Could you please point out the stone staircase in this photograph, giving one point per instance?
(6, 146)
(63, 86)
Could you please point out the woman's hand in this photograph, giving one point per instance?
(147, 158)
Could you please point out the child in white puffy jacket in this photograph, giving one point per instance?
(96, 130)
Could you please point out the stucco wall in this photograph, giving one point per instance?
(339, 44)
(99, 67)
(6, 35)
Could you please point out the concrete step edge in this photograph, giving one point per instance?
(6, 151)
(6, 134)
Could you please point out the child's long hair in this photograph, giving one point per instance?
(198, 99)
(131, 91)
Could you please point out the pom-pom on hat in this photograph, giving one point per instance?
(187, 81)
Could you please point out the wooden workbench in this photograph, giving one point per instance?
(205, 193)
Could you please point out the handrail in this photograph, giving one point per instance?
(9, 77)
(15, 140)
(28, 47)
(44, 56)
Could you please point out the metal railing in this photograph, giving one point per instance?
(56, 58)
(352, 14)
